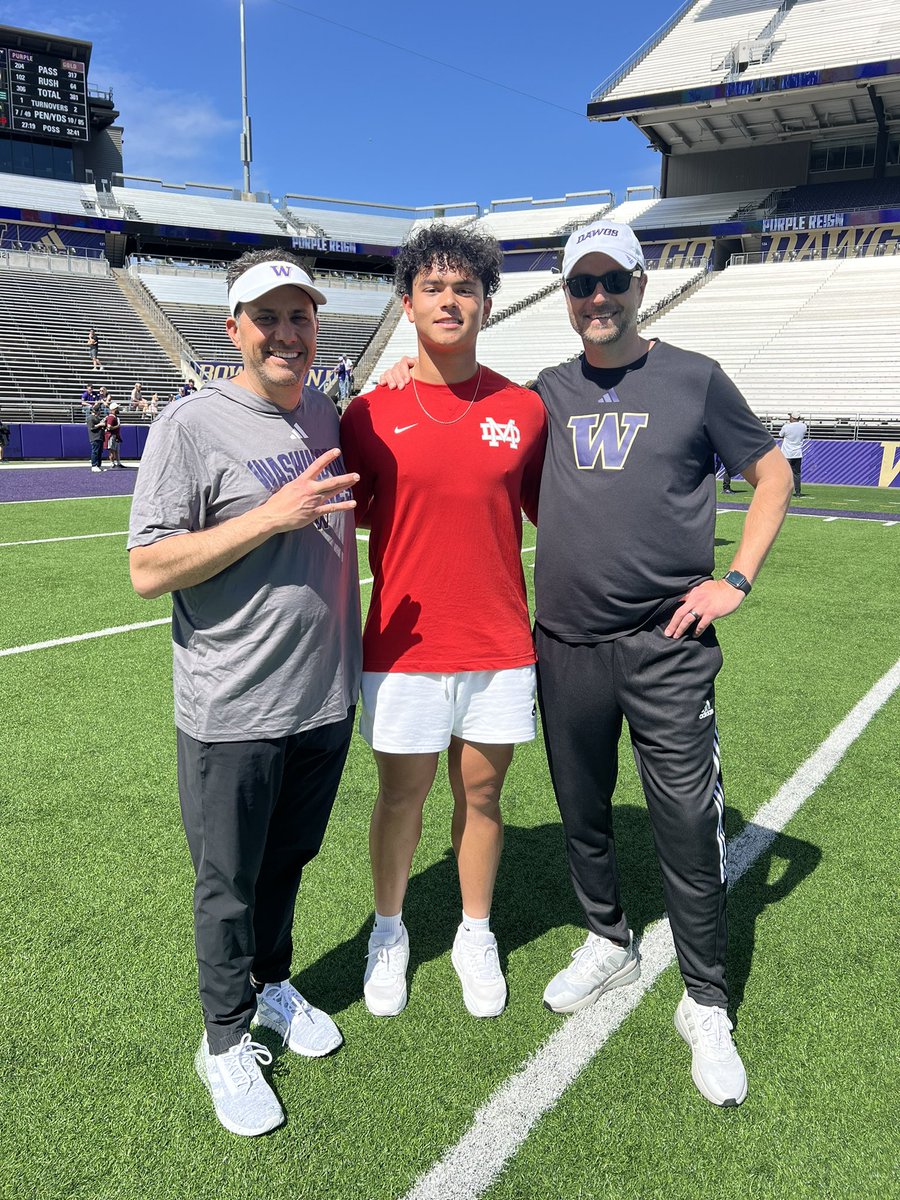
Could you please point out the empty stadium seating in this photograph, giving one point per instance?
(817, 337)
(44, 359)
(824, 34)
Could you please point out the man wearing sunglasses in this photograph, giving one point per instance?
(626, 602)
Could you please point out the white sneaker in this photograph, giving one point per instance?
(96, 469)
(384, 983)
(304, 1029)
(597, 966)
(716, 1066)
(477, 964)
(243, 1101)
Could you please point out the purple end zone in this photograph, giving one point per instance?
(59, 483)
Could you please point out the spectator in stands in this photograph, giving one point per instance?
(267, 656)
(88, 396)
(343, 376)
(448, 659)
(152, 409)
(113, 438)
(93, 345)
(138, 403)
(793, 435)
(626, 629)
(4, 436)
(96, 427)
(105, 399)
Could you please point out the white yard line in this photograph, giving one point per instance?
(65, 499)
(75, 537)
(99, 633)
(85, 637)
(503, 1123)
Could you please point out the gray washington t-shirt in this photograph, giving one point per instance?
(271, 645)
(628, 506)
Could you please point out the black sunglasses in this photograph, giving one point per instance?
(615, 283)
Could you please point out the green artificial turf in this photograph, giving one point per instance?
(832, 496)
(100, 1097)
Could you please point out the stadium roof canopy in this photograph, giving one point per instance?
(734, 73)
(45, 43)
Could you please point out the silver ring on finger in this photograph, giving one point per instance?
(695, 615)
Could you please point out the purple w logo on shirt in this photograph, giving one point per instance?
(596, 437)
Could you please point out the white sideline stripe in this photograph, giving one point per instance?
(99, 633)
(75, 537)
(504, 1121)
(66, 499)
(85, 637)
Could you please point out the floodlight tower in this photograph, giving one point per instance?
(246, 143)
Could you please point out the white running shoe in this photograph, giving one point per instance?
(304, 1029)
(597, 966)
(384, 983)
(96, 470)
(477, 964)
(243, 1101)
(716, 1066)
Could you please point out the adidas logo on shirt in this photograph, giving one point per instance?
(706, 711)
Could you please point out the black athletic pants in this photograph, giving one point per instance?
(255, 814)
(796, 465)
(664, 688)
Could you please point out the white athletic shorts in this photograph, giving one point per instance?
(416, 712)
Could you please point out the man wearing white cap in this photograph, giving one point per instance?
(241, 512)
(625, 600)
(793, 436)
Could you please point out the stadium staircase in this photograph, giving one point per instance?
(144, 303)
(44, 362)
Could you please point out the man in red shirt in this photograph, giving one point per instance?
(446, 467)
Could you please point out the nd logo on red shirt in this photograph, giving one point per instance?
(494, 433)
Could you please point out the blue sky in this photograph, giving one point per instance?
(340, 107)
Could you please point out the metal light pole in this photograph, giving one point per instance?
(246, 143)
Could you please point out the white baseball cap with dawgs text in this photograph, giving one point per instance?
(603, 237)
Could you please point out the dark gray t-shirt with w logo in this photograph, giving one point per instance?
(628, 504)
(272, 645)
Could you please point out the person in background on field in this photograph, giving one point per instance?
(446, 468)
(793, 435)
(343, 377)
(113, 438)
(96, 427)
(726, 477)
(93, 345)
(242, 511)
(4, 436)
(625, 604)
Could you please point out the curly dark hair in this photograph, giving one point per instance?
(449, 247)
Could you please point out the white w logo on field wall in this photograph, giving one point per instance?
(494, 433)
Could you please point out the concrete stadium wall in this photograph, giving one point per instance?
(733, 170)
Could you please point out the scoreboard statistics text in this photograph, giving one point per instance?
(43, 96)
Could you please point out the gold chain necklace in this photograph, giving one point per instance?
(437, 420)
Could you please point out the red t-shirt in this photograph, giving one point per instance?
(444, 504)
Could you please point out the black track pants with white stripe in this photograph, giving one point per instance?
(665, 690)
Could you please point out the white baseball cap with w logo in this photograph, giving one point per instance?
(266, 277)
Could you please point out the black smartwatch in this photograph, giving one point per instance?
(739, 581)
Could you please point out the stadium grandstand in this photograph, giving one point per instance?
(771, 237)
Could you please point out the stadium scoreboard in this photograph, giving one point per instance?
(43, 96)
